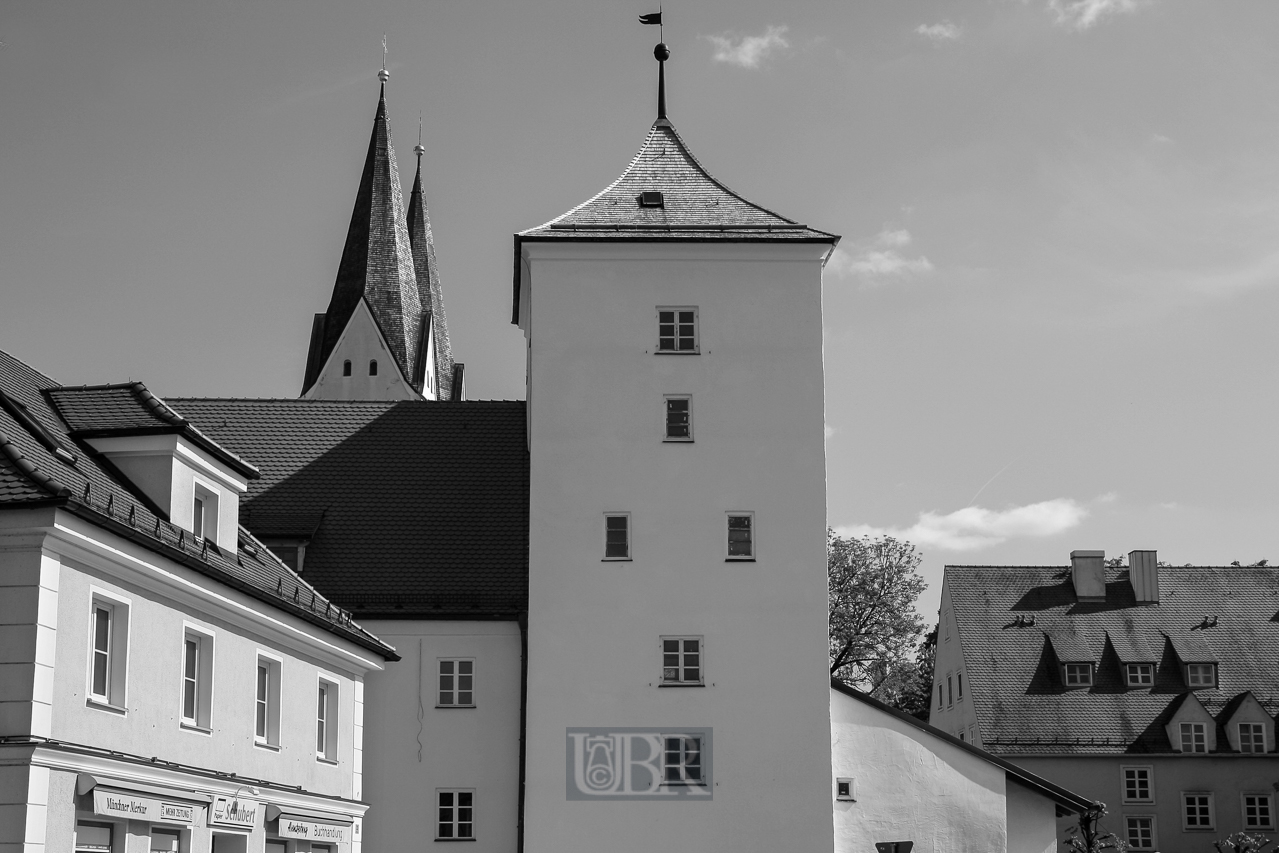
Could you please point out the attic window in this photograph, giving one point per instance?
(346, 367)
(1201, 675)
(1077, 674)
(651, 198)
(373, 367)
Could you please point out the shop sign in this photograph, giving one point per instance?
(232, 811)
(292, 827)
(177, 813)
(118, 804)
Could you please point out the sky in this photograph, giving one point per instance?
(1049, 325)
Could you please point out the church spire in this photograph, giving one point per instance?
(377, 262)
(430, 292)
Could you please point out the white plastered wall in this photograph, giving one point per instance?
(360, 343)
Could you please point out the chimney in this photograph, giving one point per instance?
(1143, 574)
(1088, 573)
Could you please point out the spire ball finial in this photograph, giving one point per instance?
(661, 53)
(419, 150)
(384, 75)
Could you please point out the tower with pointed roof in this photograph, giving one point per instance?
(384, 335)
(677, 688)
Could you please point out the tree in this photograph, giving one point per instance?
(874, 629)
(1087, 836)
(1242, 842)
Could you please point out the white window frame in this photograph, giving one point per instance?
(274, 670)
(950, 690)
(454, 689)
(754, 536)
(1076, 674)
(1185, 813)
(1134, 673)
(1198, 735)
(846, 789)
(1252, 729)
(1201, 675)
(201, 680)
(1269, 799)
(455, 822)
(666, 419)
(682, 767)
(1139, 771)
(941, 701)
(326, 719)
(205, 496)
(627, 517)
(959, 686)
(681, 668)
(114, 694)
(697, 338)
(1154, 831)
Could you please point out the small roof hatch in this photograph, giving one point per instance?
(651, 198)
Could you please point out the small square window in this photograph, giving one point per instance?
(1078, 674)
(1201, 675)
(683, 760)
(1140, 674)
(1252, 737)
(741, 536)
(617, 536)
(1194, 737)
(1137, 788)
(457, 683)
(266, 702)
(845, 789)
(677, 330)
(456, 815)
(679, 418)
(1258, 811)
(1141, 832)
(1197, 810)
(682, 660)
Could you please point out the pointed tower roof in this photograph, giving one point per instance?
(377, 260)
(430, 293)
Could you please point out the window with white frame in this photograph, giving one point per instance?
(1201, 675)
(682, 760)
(266, 702)
(940, 703)
(197, 678)
(108, 649)
(1252, 737)
(1196, 810)
(741, 536)
(950, 690)
(679, 418)
(1078, 674)
(457, 683)
(677, 329)
(1194, 737)
(845, 789)
(1140, 830)
(962, 735)
(326, 721)
(617, 536)
(1140, 674)
(1137, 787)
(959, 686)
(204, 512)
(456, 815)
(682, 660)
(1258, 811)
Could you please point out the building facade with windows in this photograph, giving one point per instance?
(1151, 688)
(166, 683)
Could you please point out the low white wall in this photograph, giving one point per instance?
(1032, 821)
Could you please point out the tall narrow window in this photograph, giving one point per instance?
(101, 687)
(679, 418)
(940, 703)
(617, 536)
(959, 685)
(950, 691)
(683, 760)
(204, 512)
(108, 649)
(373, 367)
(741, 536)
(326, 721)
(677, 330)
(266, 702)
(197, 517)
(457, 683)
(190, 678)
(1252, 737)
(681, 660)
(197, 679)
(1194, 737)
(346, 367)
(456, 816)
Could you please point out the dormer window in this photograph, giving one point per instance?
(373, 367)
(1200, 675)
(1077, 674)
(1140, 674)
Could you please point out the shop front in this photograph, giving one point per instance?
(111, 812)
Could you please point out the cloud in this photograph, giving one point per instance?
(974, 527)
(879, 259)
(749, 51)
(940, 32)
(1082, 14)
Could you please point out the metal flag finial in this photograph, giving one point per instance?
(661, 53)
(384, 75)
(418, 149)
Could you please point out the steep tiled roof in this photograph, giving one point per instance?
(31, 475)
(377, 260)
(422, 507)
(430, 291)
(1022, 707)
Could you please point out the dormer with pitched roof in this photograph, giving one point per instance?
(1249, 728)
(1190, 727)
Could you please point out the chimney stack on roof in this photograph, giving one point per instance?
(1088, 573)
(1143, 574)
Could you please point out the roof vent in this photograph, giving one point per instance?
(651, 198)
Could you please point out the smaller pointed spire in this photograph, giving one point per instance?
(384, 75)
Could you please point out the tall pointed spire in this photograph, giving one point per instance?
(377, 260)
(428, 277)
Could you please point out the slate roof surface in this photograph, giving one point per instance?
(31, 475)
(1022, 707)
(423, 506)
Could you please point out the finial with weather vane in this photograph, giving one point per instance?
(661, 53)
(384, 75)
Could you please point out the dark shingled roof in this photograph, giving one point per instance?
(422, 507)
(33, 475)
(1022, 707)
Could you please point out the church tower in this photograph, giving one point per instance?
(678, 690)
(384, 335)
